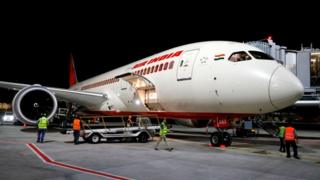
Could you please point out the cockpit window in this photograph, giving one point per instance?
(239, 56)
(260, 55)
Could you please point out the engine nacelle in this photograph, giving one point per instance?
(198, 123)
(31, 101)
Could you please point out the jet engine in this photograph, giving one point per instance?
(197, 123)
(30, 102)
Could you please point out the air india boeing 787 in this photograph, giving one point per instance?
(206, 80)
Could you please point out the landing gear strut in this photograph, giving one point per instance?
(220, 137)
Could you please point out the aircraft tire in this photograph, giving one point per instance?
(143, 137)
(227, 139)
(215, 139)
(95, 138)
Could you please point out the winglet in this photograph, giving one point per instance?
(72, 72)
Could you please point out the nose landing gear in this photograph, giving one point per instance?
(220, 137)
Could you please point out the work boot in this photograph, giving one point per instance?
(156, 149)
(297, 157)
(169, 149)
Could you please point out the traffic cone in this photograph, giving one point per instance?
(24, 125)
(222, 146)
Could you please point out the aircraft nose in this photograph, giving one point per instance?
(284, 88)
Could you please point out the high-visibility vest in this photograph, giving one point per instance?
(281, 131)
(43, 123)
(289, 134)
(163, 129)
(76, 124)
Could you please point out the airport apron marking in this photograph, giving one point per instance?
(46, 159)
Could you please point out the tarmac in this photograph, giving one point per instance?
(192, 158)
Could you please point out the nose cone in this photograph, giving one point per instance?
(284, 89)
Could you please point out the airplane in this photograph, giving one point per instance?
(212, 80)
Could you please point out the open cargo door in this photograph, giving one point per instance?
(145, 89)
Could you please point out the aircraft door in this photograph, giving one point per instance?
(139, 90)
(126, 94)
(185, 67)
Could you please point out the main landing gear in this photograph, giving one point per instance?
(220, 138)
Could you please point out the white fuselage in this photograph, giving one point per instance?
(199, 81)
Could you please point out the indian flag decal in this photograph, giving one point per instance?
(218, 57)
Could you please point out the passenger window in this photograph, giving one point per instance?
(165, 66)
(171, 65)
(160, 67)
(157, 66)
(239, 56)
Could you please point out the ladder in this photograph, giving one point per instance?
(268, 127)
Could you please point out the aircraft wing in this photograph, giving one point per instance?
(308, 103)
(87, 99)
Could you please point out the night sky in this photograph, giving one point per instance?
(36, 42)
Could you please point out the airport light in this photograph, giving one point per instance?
(8, 118)
(137, 102)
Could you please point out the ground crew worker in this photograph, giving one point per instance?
(42, 127)
(76, 130)
(280, 134)
(163, 133)
(290, 137)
